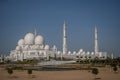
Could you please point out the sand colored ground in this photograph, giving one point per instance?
(104, 74)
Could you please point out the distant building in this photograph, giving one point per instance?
(33, 46)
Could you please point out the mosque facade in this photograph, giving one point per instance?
(32, 46)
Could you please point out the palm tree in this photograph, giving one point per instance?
(95, 71)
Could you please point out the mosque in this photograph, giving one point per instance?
(32, 46)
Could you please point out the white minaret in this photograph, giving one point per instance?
(1, 58)
(35, 32)
(96, 43)
(112, 56)
(64, 39)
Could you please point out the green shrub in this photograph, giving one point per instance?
(115, 68)
(29, 71)
(95, 71)
(10, 71)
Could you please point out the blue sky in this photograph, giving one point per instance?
(18, 17)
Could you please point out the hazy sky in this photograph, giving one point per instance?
(18, 17)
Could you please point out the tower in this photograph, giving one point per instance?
(96, 43)
(64, 39)
(35, 32)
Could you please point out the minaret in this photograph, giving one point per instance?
(112, 56)
(1, 58)
(96, 42)
(64, 39)
(35, 33)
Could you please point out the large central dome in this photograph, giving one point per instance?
(39, 40)
(29, 38)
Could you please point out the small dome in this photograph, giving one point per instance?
(88, 53)
(18, 48)
(29, 38)
(81, 50)
(69, 52)
(59, 52)
(74, 52)
(20, 42)
(47, 47)
(92, 53)
(39, 40)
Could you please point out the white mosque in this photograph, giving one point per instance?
(32, 46)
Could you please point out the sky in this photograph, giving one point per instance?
(18, 17)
